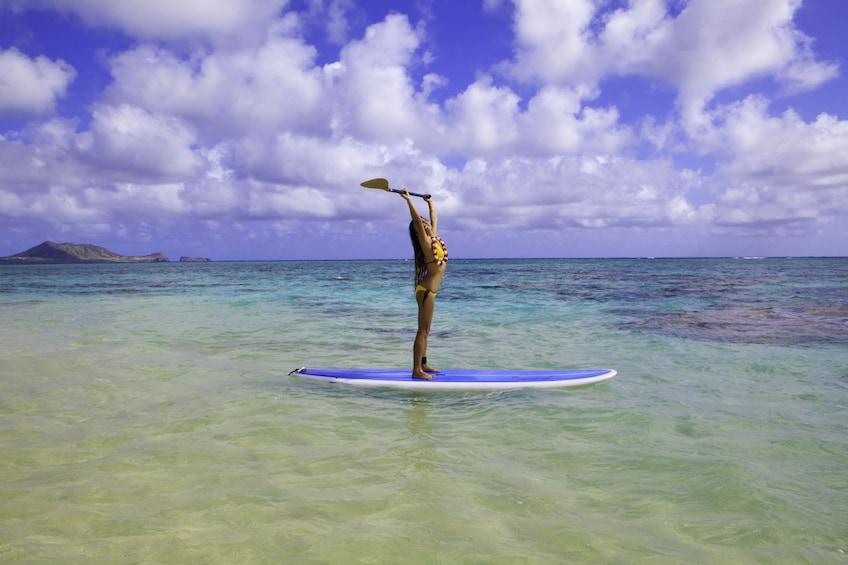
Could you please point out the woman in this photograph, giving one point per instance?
(431, 258)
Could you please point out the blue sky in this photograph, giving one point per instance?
(241, 129)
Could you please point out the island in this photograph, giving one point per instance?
(185, 259)
(49, 252)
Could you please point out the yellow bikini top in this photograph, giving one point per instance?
(440, 250)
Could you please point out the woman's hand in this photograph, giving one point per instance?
(405, 194)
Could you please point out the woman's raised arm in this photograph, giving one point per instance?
(433, 219)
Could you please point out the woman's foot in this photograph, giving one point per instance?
(427, 368)
(416, 374)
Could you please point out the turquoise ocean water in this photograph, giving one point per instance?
(147, 415)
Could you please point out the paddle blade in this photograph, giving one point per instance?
(382, 184)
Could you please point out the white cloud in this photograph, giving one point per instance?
(337, 24)
(299, 202)
(219, 20)
(34, 163)
(134, 201)
(567, 192)
(145, 145)
(375, 98)
(715, 44)
(258, 133)
(31, 85)
(553, 40)
(556, 122)
(489, 120)
(483, 119)
(61, 204)
(778, 169)
(211, 198)
(804, 72)
(709, 46)
(290, 159)
(271, 87)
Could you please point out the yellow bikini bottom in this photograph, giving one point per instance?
(421, 287)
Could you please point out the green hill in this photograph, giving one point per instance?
(49, 252)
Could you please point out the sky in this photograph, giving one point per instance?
(242, 129)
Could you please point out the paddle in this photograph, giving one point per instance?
(383, 184)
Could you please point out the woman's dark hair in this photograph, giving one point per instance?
(420, 259)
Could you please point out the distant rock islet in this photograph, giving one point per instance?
(49, 252)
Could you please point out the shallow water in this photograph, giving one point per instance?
(147, 415)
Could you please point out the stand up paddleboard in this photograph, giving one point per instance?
(458, 380)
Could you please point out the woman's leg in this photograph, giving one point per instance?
(426, 305)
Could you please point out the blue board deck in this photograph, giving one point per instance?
(457, 379)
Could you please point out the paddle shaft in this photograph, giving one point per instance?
(383, 184)
(424, 196)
